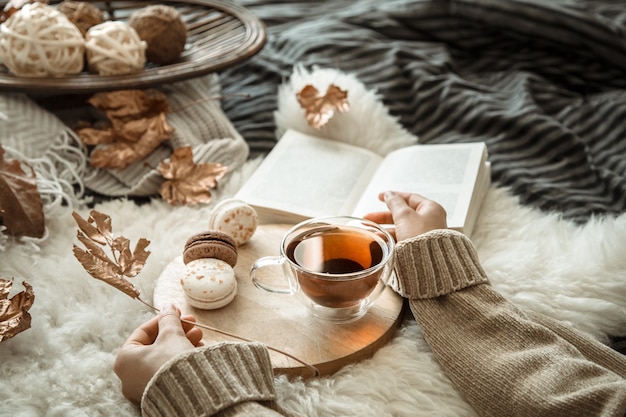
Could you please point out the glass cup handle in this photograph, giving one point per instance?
(269, 261)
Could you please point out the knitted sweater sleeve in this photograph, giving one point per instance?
(505, 361)
(225, 380)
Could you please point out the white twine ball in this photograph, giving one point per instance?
(39, 41)
(114, 48)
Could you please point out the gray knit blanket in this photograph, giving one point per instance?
(541, 82)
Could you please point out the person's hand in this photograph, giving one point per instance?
(150, 346)
(411, 214)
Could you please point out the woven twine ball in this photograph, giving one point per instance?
(114, 48)
(84, 15)
(163, 30)
(39, 41)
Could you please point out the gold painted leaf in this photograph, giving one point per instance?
(137, 126)
(14, 315)
(140, 255)
(93, 136)
(92, 246)
(106, 271)
(320, 108)
(188, 182)
(127, 105)
(103, 224)
(97, 231)
(92, 231)
(21, 208)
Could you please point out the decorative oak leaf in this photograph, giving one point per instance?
(14, 315)
(188, 182)
(138, 125)
(13, 6)
(320, 108)
(96, 233)
(21, 208)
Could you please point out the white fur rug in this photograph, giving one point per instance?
(62, 366)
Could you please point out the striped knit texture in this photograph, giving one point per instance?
(542, 82)
(30, 134)
(506, 364)
(599, 353)
(205, 381)
(436, 263)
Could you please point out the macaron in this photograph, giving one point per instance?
(234, 217)
(209, 283)
(211, 244)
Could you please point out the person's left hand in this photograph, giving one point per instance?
(150, 346)
(411, 214)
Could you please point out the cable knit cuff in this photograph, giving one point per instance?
(436, 263)
(204, 381)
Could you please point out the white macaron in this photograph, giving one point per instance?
(209, 283)
(234, 217)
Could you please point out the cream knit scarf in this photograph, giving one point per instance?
(64, 176)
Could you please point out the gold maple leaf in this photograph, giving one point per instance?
(138, 125)
(188, 182)
(320, 108)
(96, 233)
(21, 208)
(14, 315)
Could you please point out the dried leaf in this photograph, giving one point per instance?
(188, 182)
(14, 315)
(140, 255)
(101, 232)
(106, 271)
(103, 225)
(92, 247)
(320, 108)
(126, 105)
(21, 208)
(138, 125)
(131, 262)
(92, 136)
(13, 6)
(97, 230)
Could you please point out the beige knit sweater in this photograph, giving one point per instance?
(506, 362)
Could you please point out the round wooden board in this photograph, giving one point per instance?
(280, 321)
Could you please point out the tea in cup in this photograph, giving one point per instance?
(336, 266)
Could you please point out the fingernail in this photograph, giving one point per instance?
(388, 194)
(168, 308)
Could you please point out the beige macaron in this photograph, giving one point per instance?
(209, 283)
(235, 218)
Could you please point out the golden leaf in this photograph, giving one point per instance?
(101, 232)
(139, 258)
(97, 230)
(126, 105)
(21, 208)
(188, 182)
(14, 315)
(92, 136)
(320, 108)
(138, 125)
(13, 6)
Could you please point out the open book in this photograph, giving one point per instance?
(305, 176)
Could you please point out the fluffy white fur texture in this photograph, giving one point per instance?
(62, 366)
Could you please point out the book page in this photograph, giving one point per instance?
(310, 176)
(446, 174)
(482, 187)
